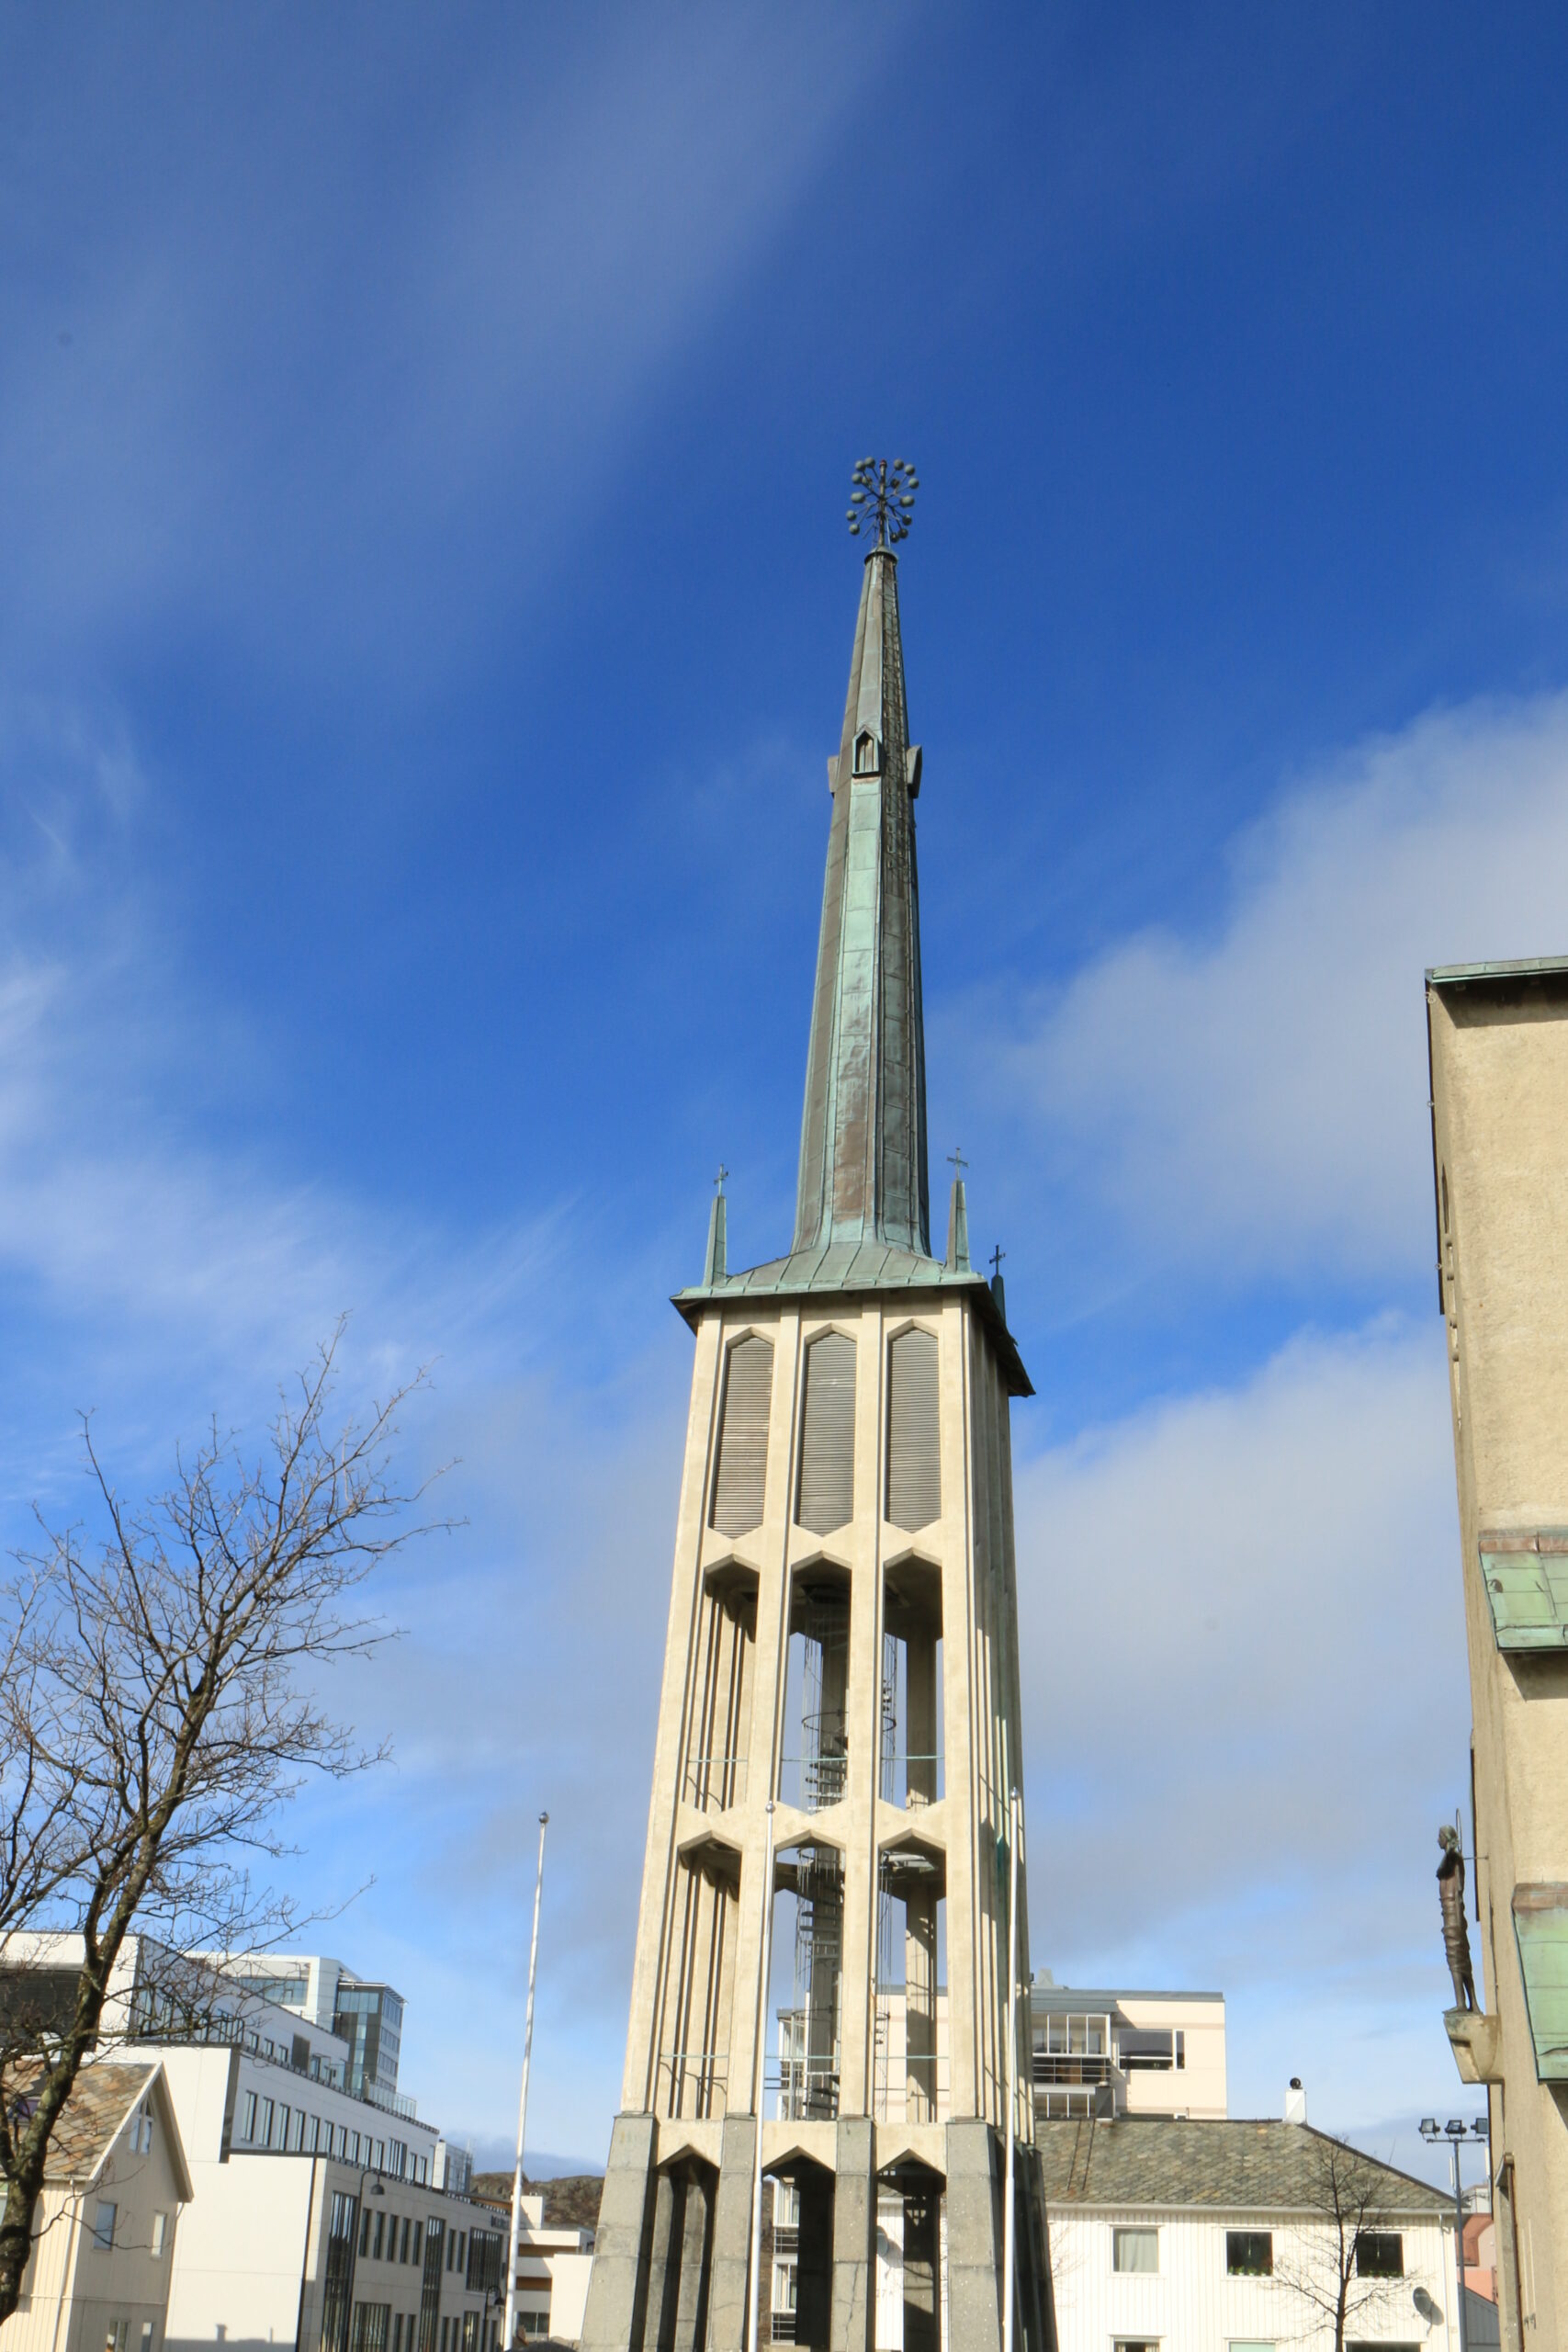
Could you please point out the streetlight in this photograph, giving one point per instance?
(1454, 2132)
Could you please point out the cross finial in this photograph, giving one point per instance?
(884, 493)
(959, 1162)
(718, 1180)
(998, 1254)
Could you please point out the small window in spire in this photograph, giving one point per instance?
(868, 754)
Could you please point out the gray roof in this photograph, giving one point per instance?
(1156, 2161)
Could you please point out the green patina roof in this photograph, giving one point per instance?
(1525, 968)
(1525, 1576)
(862, 1212)
(1540, 1930)
(862, 1139)
(846, 1269)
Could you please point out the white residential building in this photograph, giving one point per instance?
(1208, 2236)
(1102, 2053)
(116, 2183)
(553, 2265)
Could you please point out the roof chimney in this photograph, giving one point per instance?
(1295, 2102)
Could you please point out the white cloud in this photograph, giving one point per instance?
(339, 364)
(1243, 1648)
(1256, 1096)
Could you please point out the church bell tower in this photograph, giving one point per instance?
(818, 2066)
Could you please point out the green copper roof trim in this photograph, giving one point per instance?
(1527, 967)
(846, 1272)
(1525, 1578)
(1541, 1930)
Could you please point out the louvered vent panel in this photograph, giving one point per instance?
(914, 1458)
(743, 1438)
(827, 1435)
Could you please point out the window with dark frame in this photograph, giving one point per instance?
(1249, 2254)
(1380, 2254)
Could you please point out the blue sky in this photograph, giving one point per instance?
(424, 609)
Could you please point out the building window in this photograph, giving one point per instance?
(116, 2336)
(103, 2226)
(266, 2124)
(380, 2235)
(160, 2227)
(1380, 2254)
(1134, 2250)
(339, 2259)
(146, 2336)
(1147, 2050)
(248, 2116)
(365, 2235)
(1249, 2254)
(446, 2326)
(371, 2323)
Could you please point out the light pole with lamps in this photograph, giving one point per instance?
(1453, 2132)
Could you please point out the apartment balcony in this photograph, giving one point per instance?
(1070, 2070)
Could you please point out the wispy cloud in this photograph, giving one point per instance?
(1251, 1095)
(1242, 1645)
(324, 409)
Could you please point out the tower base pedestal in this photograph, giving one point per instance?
(671, 2258)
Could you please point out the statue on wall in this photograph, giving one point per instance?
(1456, 1928)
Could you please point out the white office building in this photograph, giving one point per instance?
(323, 2213)
(1101, 2053)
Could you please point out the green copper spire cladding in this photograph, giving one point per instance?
(863, 1146)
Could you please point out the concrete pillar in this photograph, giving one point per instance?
(1034, 2237)
(854, 2237)
(814, 2259)
(731, 2237)
(664, 2262)
(618, 2286)
(919, 2003)
(696, 2249)
(974, 2238)
(923, 2327)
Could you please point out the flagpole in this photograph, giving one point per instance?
(761, 2080)
(522, 2101)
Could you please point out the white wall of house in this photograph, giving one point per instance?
(239, 2265)
(1197, 2087)
(76, 2289)
(1189, 2304)
(552, 2274)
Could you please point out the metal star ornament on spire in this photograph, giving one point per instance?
(884, 495)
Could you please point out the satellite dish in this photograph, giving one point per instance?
(1425, 2308)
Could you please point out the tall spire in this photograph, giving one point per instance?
(863, 1146)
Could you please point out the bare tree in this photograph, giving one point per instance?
(156, 1706)
(1337, 2268)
